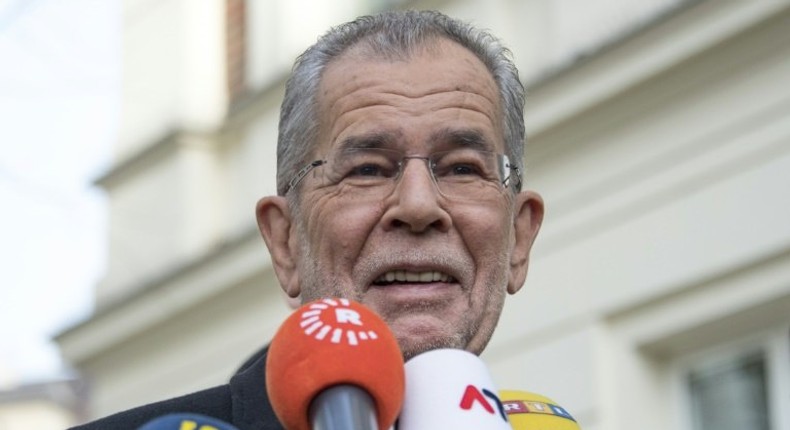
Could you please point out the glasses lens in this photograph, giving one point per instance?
(461, 174)
(469, 174)
(364, 170)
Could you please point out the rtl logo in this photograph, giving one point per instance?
(482, 398)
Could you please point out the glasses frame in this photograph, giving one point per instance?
(515, 172)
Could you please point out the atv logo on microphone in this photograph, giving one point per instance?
(335, 321)
(485, 399)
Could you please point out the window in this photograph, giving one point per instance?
(732, 395)
(740, 385)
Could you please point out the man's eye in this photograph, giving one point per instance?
(464, 169)
(367, 170)
(459, 170)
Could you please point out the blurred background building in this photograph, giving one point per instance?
(659, 289)
(54, 404)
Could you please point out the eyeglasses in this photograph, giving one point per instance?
(460, 174)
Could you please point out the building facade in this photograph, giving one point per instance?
(54, 404)
(659, 288)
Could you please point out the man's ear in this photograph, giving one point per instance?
(276, 227)
(527, 218)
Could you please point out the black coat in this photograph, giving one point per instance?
(242, 402)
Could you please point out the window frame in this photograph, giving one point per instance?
(773, 344)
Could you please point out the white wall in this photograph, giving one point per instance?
(659, 201)
(173, 70)
(35, 414)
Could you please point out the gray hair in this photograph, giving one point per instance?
(391, 35)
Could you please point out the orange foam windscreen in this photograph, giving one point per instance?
(331, 342)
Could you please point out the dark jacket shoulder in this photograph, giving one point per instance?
(242, 402)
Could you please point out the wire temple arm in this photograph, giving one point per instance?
(302, 173)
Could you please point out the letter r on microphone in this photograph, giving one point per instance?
(347, 316)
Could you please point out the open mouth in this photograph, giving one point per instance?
(409, 277)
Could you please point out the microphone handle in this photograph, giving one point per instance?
(343, 407)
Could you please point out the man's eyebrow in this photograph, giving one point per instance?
(370, 140)
(468, 138)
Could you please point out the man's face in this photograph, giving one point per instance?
(457, 255)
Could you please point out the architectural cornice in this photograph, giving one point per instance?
(646, 52)
(159, 298)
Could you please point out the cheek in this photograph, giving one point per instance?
(486, 231)
(342, 230)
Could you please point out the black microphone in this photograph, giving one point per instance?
(186, 422)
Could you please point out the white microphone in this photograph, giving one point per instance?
(450, 389)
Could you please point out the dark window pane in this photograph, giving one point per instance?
(731, 396)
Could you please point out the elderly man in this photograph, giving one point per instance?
(399, 186)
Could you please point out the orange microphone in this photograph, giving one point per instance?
(335, 364)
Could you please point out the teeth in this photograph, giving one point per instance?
(405, 276)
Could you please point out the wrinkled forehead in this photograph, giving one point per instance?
(436, 81)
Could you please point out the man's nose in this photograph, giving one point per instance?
(416, 203)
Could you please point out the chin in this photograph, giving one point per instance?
(412, 350)
(412, 344)
(425, 332)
